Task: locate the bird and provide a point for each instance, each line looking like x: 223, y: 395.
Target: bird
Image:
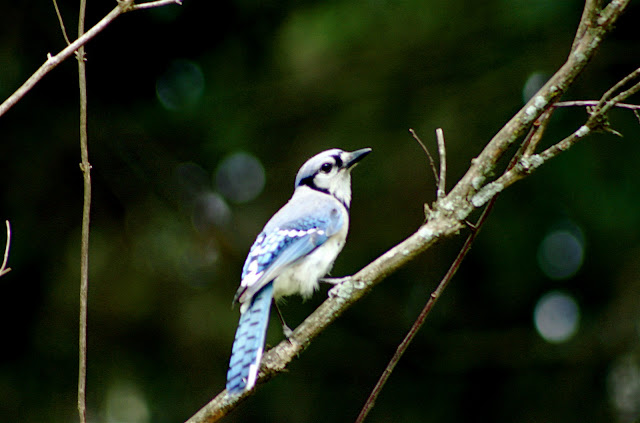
x: 296, y: 248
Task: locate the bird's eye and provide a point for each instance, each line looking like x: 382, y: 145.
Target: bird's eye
x: 326, y: 167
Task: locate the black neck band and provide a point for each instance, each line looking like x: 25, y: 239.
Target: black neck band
x: 308, y: 181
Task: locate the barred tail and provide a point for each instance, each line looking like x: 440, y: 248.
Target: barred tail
x: 249, y: 343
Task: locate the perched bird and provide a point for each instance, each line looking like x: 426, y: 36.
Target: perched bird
x: 296, y: 248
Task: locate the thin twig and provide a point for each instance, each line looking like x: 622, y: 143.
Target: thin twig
x: 442, y: 181
x: 596, y: 118
x: 605, y: 97
x: 435, y: 295
x: 529, y: 163
x: 4, y: 269
x: 426, y: 150
x: 623, y: 95
x: 64, y: 30
x: 53, y: 61
x: 158, y: 3
x: 593, y: 103
x: 86, y: 209
x: 415, y: 328
x: 587, y: 42
x: 535, y: 135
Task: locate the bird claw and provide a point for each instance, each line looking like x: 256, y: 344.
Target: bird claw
x: 337, y: 285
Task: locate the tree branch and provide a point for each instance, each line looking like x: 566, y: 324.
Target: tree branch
x: 442, y: 151
x: 86, y: 213
x: 426, y: 151
x: 4, y: 269
x: 593, y: 103
x: 62, y: 28
x: 53, y: 61
x: 528, y: 144
x: 597, y: 121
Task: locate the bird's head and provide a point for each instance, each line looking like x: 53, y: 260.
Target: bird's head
x: 330, y: 172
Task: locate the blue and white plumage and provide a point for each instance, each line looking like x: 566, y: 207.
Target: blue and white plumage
x: 295, y: 249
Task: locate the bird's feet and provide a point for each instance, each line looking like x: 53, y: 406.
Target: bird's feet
x: 337, y: 284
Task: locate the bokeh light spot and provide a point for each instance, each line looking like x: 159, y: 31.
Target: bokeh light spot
x: 181, y: 85
x: 556, y: 317
x: 240, y: 177
x: 210, y: 210
x: 191, y: 181
x: 561, y: 254
x: 124, y: 402
x: 623, y: 384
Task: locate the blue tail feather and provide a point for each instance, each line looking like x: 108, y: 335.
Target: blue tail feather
x: 249, y: 342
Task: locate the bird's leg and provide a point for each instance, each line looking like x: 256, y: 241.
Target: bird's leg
x: 286, y: 329
x: 334, y: 281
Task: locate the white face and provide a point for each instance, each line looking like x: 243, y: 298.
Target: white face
x: 330, y: 172
x: 332, y: 176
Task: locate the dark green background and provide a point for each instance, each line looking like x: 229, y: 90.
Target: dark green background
x: 283, y: 81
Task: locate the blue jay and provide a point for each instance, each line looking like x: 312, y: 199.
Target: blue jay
x: 296, y: 248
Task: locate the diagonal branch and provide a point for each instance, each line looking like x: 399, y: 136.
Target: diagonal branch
x: 53, y: 61
x: 597, y: 121
x: 529, y: 144
x: 64, y: 30
x: 588, y: 38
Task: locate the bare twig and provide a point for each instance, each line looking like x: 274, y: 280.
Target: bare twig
x: 532, y: 138
x: 442, y: 181
x: 597, y: 121
x: 588, y: 39
x: 158, y: 3
x: 53, y: 61
x: 607, y: 95
x: 433, y: 298
x: 535, y: 135
x: 426, y: 150
x: 4, y: 269
x: 597, y: 118
x: 594, y: 103
x: 86, y: 213
x: 622, y: 96
x: 64, y: 30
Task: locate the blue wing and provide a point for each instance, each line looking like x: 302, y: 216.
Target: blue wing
x: 292, y: 233
x: 271, y: 254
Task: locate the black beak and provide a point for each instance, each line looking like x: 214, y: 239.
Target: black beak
x: 353, y: 158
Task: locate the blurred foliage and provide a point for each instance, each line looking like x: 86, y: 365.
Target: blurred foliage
x: 176, y: 92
